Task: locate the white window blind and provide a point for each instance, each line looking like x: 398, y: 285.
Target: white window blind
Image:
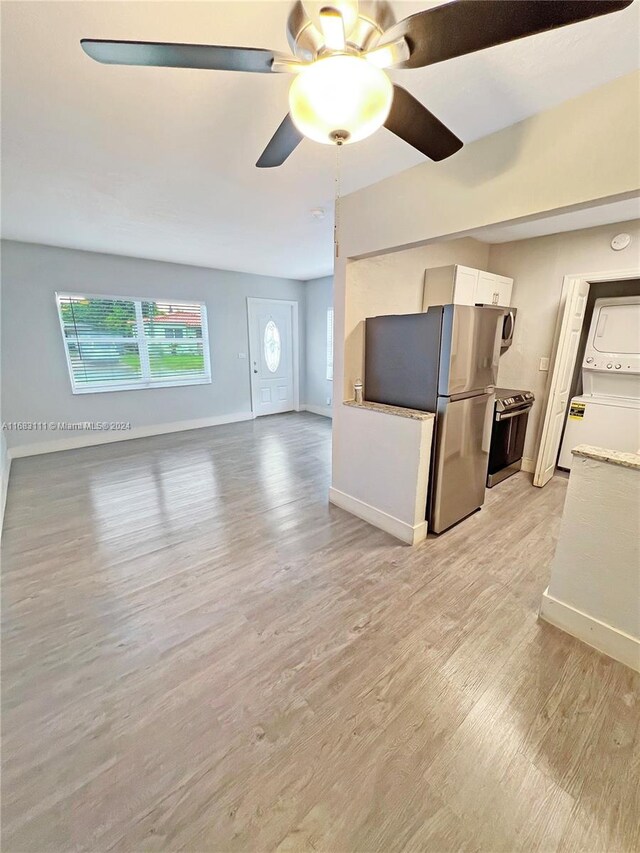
x: 330, y: 344
x: 116, y: 344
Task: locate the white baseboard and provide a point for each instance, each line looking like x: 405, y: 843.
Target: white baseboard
x: 528, y: 465
x: 93, y: 439
x: 411, y: 534
x: 605, y: 638
x: 325, y: 411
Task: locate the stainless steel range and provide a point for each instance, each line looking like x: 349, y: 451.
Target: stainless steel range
x: 510, y: 416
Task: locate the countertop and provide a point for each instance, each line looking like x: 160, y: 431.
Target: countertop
x: 613, y: 457
x: 398, y: 411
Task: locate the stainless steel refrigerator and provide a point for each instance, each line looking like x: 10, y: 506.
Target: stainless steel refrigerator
x: 443, y: 361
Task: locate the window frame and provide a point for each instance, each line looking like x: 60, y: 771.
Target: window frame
x: 141, y: 384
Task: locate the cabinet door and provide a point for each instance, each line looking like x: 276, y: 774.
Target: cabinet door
x: 493, y: 289
x: 438, y: 286
x: 505, y: 286
x: 465, y: 285
x: 487, y: 291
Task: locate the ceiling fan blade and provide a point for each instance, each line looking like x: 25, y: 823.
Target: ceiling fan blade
x: 166, y: 55
x: 413, y: 122
x: 286, y: 138
x: 465, y: 26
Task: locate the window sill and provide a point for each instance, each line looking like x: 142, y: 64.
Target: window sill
x: 140, y: 387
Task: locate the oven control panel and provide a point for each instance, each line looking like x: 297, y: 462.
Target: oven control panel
x: 515, y: 400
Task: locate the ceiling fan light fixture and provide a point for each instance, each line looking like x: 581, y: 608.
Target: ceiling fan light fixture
x: 332, y: 28
x: 340, y: 98
x: 340, y: 48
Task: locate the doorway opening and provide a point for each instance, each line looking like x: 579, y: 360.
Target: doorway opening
x: 579, y: 294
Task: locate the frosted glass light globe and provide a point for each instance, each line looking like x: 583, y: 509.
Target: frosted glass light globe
x: 340, y: 95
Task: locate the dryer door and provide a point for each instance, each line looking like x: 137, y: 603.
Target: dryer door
x: 617, y: 329
x: 611, y: 364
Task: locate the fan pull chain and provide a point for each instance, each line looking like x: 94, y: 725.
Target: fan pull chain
x: 336, y: 224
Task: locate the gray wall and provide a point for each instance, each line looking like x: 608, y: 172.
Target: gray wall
x: 319, y: 295
x: 36, y: 383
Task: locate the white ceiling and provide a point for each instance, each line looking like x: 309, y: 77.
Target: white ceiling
x: 159, y: 163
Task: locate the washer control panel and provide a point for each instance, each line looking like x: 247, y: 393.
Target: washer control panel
x: 591, y: 364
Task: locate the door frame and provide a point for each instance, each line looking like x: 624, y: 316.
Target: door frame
x: 560, y: 343
x: 295, y: 348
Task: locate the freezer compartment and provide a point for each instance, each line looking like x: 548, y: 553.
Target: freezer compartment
x: 402, y: 353
x: 459, y: 470
x: 450, y: 350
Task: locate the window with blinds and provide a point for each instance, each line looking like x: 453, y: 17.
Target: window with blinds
x: 116, y: 344
x: 330, y: 344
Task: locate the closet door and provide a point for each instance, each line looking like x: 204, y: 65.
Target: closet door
x: 560, y: 380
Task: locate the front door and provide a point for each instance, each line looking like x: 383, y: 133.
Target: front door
x: 271, y: 354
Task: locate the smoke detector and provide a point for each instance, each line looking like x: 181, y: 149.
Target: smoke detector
x: 620, y: 241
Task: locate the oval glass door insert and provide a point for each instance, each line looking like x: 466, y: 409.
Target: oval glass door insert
x: 272, y: 346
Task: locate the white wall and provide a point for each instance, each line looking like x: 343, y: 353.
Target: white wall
x: 383, y: 470
x: 319, y: 390
x: 538, y: 267
x: 582, y: 150
x: 594, y: 589
x: 35, y: 378
x: 393, y: 283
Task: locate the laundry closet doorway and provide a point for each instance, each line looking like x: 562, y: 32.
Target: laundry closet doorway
x: 579, y: 293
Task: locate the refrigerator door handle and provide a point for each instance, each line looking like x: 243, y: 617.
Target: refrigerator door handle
x: 481, y: 392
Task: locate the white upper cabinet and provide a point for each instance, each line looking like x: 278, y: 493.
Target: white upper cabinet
x: 493, y: 289
x: 465, y: 286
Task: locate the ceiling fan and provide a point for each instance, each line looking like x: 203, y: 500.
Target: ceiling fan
x: 341, y: 92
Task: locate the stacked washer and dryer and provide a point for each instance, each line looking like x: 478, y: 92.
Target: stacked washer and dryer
x: 607, y: 413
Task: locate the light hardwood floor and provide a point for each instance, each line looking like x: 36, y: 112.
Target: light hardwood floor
x: 199, y: 653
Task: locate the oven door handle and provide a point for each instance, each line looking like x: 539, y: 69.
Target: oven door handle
x: 505, y: 416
